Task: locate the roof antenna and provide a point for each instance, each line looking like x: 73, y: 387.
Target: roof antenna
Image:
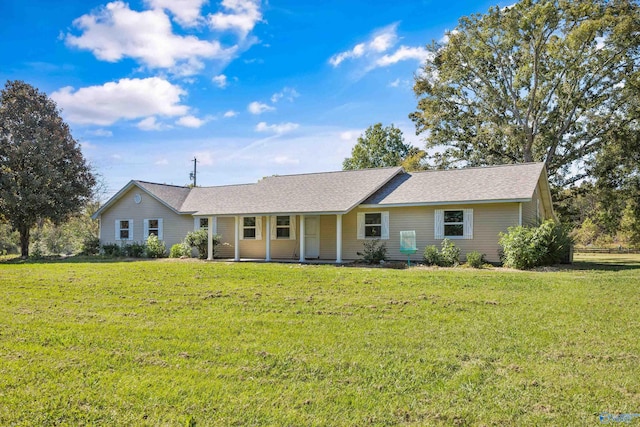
x: 192, y: 175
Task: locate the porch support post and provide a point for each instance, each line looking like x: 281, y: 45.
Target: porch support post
x: 210, y: 239
x: 301, y: 238
x: 339, y: 238
x: 268, y: 242
x: 520, y: 213
x: 236, y: 256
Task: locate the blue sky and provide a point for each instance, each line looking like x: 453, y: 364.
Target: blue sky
x: 251, y: 88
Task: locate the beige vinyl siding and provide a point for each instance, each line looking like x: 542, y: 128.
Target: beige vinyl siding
x: 529, y: 209
x: 488, y: 221
x: 328, y: 236
x: 174, y: 228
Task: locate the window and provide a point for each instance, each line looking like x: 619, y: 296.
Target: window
x: 453, y: 223
x: 373, y: 225
x: 203, y: 224
x: 124, y: 229
x: 153, y: 226
x: 249, y: 227
x: 283, y: 227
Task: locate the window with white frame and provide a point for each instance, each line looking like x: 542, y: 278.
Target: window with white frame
x: 453, y: 223
x: 249, y: 227
x: 153, y: 226
x: 203, y: 224
x: 124, y: 229
x: 373, y: 225
x: 283, y: 227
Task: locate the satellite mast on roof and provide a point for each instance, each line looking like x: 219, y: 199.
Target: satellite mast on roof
x: 193, y: 175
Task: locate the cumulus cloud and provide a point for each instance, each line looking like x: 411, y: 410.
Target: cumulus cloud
x: 229, y: 114
x: 402, y: 54
x: 101, y: 133
x: 124, y: 99
x: 116, y: 32
x: 220, y: 81
x: 239, y: 16
x: 276, y: 128
x: 380, y: 41
x: 258, y: 108
x: 190, y: 122
x: 185, y: 12
x: 148, y: 124
x: 287, y: 93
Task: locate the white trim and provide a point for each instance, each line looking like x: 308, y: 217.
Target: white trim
x: 385, y: 225
x: 257, y: 227
x: 339, y: 238
x: 145, y: 232
x: 467, y: 224
x: 268, y: 239
x: 236, y: 249
x: 275, y: 226
x: 302, y: 238
x: 461, y: 202
x: 362, y: 226
x: 520, y: 214
x: 438, y: 224
x: 209, y: 239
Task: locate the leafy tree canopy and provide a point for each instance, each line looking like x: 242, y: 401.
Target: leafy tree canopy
x: 539, y: 81
x: 43, y: 174
x: 378, y: 147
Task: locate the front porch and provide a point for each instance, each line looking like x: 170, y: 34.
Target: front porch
x: 309, y: 238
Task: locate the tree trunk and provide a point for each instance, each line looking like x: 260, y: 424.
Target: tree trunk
x: 24, y: 241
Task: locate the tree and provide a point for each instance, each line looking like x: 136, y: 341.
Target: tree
x: 379, y: 147
x: 43, y: 174
x: 539, y: 81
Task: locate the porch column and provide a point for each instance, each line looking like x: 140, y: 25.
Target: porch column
x: 210, y: 239
x: 339, y: 238
x: 236, y: 256
x: 268, y: 222
x: 301, y: 238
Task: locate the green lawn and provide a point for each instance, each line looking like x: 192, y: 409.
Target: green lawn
x: 161, y: 342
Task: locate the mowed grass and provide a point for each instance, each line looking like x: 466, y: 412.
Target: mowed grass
x: 164, y: 342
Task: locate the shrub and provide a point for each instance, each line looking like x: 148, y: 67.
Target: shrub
x: 179, y: 250
x: 475, y: 259
x: 199, y: 240
x: 133, y: 250
x: 449, y: 254
x: 528, y: 247
x: 90, y: 245
x: 431, y: 255
x: 155, y: 247
x: 112, y: 250
x: 373, y: 252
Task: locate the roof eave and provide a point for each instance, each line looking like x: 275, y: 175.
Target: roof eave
x: 441, y: 203
x: 121, y: 193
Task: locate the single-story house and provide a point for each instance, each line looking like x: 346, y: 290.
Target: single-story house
x: 328, y: 216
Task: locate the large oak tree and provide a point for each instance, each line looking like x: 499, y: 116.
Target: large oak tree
x: 539, y: 81
x: 378, y: 147
x: 43, y: 174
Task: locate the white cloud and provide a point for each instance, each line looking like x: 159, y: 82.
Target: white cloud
x: 287, y: 93
x: 124, y: 99
x: 220, y: 81
x: 190, y: 122
x: 402, y: 54
x: 258, y: 108
x: 115, y: 32
x: 350, y: 135
x: 380, y: 41
x: 230, y: 113
x: 186, y: 12
x: 149, y: 124
x: 161, y: 162
x: 241, y: 16
x: 276, y: 128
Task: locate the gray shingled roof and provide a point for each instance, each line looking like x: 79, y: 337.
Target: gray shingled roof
x: 306, y: 193
x: 497, y: 183
x: 172, y: 195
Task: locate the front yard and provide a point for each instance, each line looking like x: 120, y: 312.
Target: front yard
x: 165, y: 342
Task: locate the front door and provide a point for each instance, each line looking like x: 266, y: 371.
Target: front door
x: 312, y: 237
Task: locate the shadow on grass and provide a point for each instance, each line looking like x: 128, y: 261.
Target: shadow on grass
x: 68, y: 260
